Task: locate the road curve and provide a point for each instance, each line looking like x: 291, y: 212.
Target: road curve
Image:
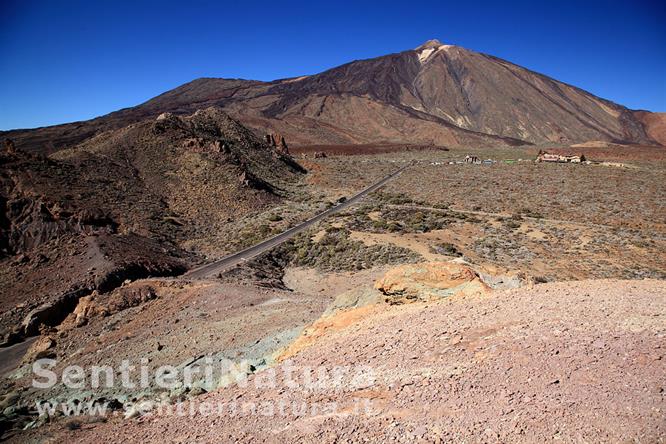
x: 232, y: 260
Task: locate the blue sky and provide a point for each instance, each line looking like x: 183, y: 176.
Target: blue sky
x: 63, y: 61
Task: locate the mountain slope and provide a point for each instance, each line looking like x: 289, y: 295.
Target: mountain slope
x: 440, y: 94
x: 126, y: 203
x: 453, y: 85
x: 654, y: 124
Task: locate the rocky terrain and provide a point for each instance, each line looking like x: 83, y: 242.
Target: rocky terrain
x: 549, y: 221
x: 505, y: 301
x: 439, y: 290
x: 573, y: 362
x: 435, y: 94
x: 654, y: 124
x: 123, y: 205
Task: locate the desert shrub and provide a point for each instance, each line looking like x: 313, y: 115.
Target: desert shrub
x: 394, y: 227
x: 531, y: 213
x: 399, y: 200
x: 446, y: 249
x: 393, y: 198
x: 540, y: 279
x: 73, y: 424
x: 254, y: 235
x: 380, y: 225
x: 337, y: 251
x: 405, y: 220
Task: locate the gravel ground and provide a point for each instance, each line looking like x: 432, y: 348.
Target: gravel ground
x: 576, y: 362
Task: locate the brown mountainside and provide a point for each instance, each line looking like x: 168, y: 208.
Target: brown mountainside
x: 123, y: 205
x: 165, y: 175
x: 654, y: 124
x: 439, y: 94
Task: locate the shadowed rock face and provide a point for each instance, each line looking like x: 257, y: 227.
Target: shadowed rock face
x: 437, y: 94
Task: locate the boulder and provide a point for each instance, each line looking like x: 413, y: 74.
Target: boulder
x: 430, y: 280
x: 165, y: 122
x: 164, y: 116
x: 45, y: 314
x: 121, y: 299
x: 131, y: 296
x: 85, y: 310
x: 44, y: 347
x: 13, y: 336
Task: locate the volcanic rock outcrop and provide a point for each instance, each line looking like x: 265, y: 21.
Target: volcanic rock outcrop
x: 10, y: 148
x: 430, y: 280
x: 277, y: 141
x: 404, y: 284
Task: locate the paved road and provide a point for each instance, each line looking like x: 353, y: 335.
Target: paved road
x: 10, y: 357
x: 230, y: 261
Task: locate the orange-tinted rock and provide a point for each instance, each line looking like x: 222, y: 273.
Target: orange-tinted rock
x: 277, y: 141
x: 42, y: 348
x: 430, y: 280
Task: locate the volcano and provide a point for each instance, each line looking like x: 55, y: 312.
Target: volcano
x: 436, y: 94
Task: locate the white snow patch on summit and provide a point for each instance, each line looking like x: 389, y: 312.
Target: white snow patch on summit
x: 423, y: 55
x: 427, y: 52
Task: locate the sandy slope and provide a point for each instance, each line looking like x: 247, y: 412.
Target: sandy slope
x: 576, y: 361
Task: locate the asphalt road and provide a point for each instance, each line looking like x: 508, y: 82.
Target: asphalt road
x: 10, y: 357
x: 232, y: 260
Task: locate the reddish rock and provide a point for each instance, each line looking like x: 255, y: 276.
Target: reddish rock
x: 277, y: 141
